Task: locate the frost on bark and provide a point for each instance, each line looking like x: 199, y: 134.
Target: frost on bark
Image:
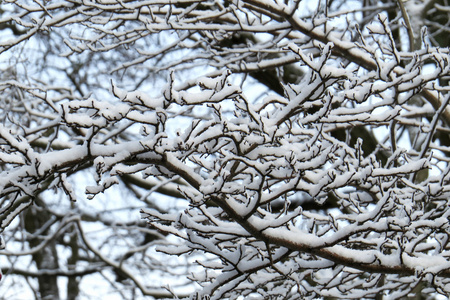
x: 274, y: 149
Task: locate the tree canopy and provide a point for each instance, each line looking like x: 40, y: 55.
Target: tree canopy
x: 225, y: 149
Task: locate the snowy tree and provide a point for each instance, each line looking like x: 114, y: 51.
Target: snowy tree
x: 225, y: 149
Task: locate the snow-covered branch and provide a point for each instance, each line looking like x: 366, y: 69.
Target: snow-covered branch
x: 310, y: 147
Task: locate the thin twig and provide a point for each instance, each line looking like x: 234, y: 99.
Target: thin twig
x: 408, y: 25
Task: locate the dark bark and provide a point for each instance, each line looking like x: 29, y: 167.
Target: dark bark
x: 36, y: 217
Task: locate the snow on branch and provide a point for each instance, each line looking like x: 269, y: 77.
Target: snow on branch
x: 313, y: 155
